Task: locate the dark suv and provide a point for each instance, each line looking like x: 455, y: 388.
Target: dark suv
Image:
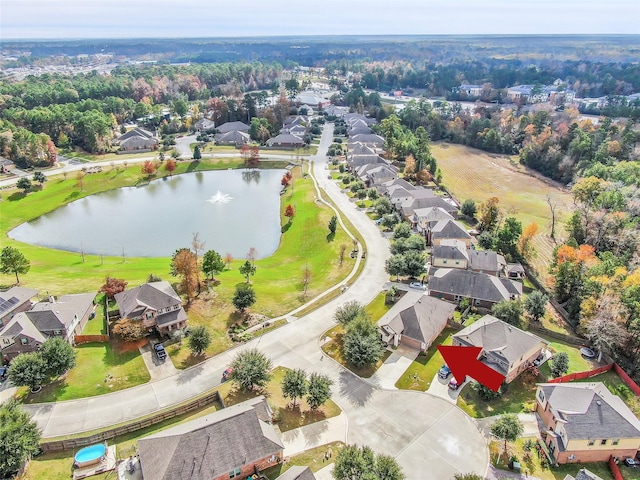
x: 161, y: 353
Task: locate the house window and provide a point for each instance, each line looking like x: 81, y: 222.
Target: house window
x: 149, y: 315
x: 444, y: 261
x: 56, y: 332
x: 615, y: 441
x: 23, y: 341
x: 176, y: 307
x: 603, y: 441
x: 541, y: 395
x: 235, y: 473
x: 591, y: 442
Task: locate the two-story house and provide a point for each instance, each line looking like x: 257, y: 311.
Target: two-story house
x: 505, y: 348
x: 585, y: 422
x: 155, y: 304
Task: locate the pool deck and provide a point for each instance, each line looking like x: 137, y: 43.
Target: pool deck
x: 109, y: 463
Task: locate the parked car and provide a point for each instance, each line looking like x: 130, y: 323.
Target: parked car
x: 226, y: 375
x: 630, y: 462
x: 453, y: 384
x: 419, y: 285
x: 444, y: 372
x: 538, y: 361
x: 4, y: 372
x: 160, y: 352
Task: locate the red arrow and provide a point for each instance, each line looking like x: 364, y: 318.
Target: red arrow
x: 464, y: 361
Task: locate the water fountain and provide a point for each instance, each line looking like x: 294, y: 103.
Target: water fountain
x: 220, y: 197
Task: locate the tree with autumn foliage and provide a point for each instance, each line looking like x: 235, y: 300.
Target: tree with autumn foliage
x: 289, y: 212
x: 525, y: 247
x: 148, y: 168
x: 489, y: 214
x: 170, y: 166
x: 570, y: 268
x: 112, y: 286
x: 254, y: 156
x: 185, y: 266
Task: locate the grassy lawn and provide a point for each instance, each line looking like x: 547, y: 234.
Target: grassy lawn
x: 278, y: 280
x: 100, y: 368
x: 377, y: 308
x: 422, y: 370
x: 333, y: 348
x: 213, y: 148
x: 287, y: 417
x: 520, y: 393
x: 471, y: 173
x: 98, y: 324
x: 533, y: 467
x: 313, y: 458
x: 58, y: 466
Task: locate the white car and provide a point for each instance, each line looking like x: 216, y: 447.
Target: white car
x: 419, y: 285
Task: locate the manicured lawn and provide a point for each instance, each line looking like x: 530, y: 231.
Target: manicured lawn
x: 98, y: 324
x: 422, y: 370
x: 377, y: 308
x: 100, y: 368
x: 287, y: 417
x: 333, y: 348
x: 520, y: 393
x: 57, y: 466
x: 313, y: 458
x: 533, y: 467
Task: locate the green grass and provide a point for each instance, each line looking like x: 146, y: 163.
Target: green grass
x: 333, y: 348
x: 313, y: 458
x: 100, y: 368
x: 426, y: 365
x: 286, y: 416
x: 534, y: 468
x: 98, y: 324
x: 57, y: 466
x: 378, y: 308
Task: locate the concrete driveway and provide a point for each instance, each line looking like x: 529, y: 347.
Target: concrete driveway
x: 393, y: 368
x: 440, y: 388
x: 157, y: 369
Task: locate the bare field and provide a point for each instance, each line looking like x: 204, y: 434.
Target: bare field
x: 472, y: 173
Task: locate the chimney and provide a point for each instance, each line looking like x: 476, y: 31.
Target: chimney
x: 599, y: 403
x: 52, y: 299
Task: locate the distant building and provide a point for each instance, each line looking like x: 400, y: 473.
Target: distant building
x: 138, y: 140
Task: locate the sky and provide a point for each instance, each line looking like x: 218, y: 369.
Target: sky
x: 50, y: 19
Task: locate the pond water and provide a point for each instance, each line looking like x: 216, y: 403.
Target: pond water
x: 233, y: 211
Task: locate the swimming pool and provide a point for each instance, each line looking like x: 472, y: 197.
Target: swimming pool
x: 90, y: 455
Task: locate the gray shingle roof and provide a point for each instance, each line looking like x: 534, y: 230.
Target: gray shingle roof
x: 370, y: 138
x: 14, y: 297
x: 469, y: 284
x: 234, y: 136
x: 360, y: 160
x: 503, y: 340
x: 418, y: 316
x: 230, y: 126
x: 409, y: 207
x: 169, y: 318
x: 285, y: 139
x: 361, y: 149
x: 155, y: 295
x: 486, y: 260
x: 446, y: 229
x: 54, y: 315
x: 138, y: 142
x: 209, y: 446
x: 21, y: 324
x: 297, y: 473
x: 136, y: 132
x: 449, y: 252
x: 591, y: 411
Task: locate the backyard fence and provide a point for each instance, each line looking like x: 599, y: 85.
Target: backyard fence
x: 80, y: 339
x: 571, y: 339
x: 615, y: 469
x: 633, y: 386
x: 79, y: 442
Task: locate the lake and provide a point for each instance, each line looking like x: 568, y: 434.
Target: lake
x: 233, y: 211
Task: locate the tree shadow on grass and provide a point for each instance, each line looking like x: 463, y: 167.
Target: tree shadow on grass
x: 15, y: 196
x: 49, y: 393
x: 73, y: 195
x: 286, y: 227
x: 331, y: 237
x: 193, y: 165
x: 189, y: 375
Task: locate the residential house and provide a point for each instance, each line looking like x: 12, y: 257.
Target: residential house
x: 297, y: 130
x: 312, y: 98
x: 408, y: 207
x: 583, y: 474
x: 356, y: 161
x: 368, y: 139
x: 447, y: 230
x: 415, y: 321
x: 232, y: 126
x: 487, y: 261
x: 585, y: 422
x: 425, y: 218
x: 505, y: 348
x: 297, y: 473
x: 63, y: 317
x: 295, y: 120
x: 358, y: 148
x: 399, y: 195
x: 450, y: 254
x: 375, y: 174
x: 13, y: 301
x: 234, y: 442
x: 236, y: 138
x: 156, y: 304
x: 204, y: 125
x: 285, y: 140
x: 138, y: 140
x: 482, y: 289
x: 351, y: 118
x: 335, y: 110
x: 471, y: 91
x: 515, y: 271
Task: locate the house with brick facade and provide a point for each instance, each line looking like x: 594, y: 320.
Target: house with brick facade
x: 505, y: 348
x: 156, y: 304
x: 585, y: 422
x: 234, y: 442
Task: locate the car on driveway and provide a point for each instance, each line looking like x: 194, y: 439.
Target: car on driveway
x: 444, y: 372
x: 160, y: 352
x: 538, y: 361
x: 226, y: 375
x: 418, y: 285
x: 453, y: 384
x: 630, y: 462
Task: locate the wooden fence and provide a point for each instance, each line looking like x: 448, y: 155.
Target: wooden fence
x: 571, y: 339
x: 79, y: 442
x: 613, y: 466
x: 633, y: 386
x: 80, y: 339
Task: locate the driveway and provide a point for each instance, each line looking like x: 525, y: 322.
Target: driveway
x: 393, y: 368
x: 157, y: 369
x: 440, y: 388
x: 310, y: 436
x: 423, y: 432
x: 529, y: 422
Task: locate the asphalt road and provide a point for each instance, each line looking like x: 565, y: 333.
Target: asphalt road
x: 430, y: 437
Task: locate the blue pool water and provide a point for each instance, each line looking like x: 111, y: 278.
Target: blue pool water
x: 91, y: 453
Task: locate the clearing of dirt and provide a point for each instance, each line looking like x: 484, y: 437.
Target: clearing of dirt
x: 471, y: 173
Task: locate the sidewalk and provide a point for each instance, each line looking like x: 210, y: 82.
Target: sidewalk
x: 319, y: 433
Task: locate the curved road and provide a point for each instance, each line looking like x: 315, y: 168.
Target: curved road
x: 430, y: 437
